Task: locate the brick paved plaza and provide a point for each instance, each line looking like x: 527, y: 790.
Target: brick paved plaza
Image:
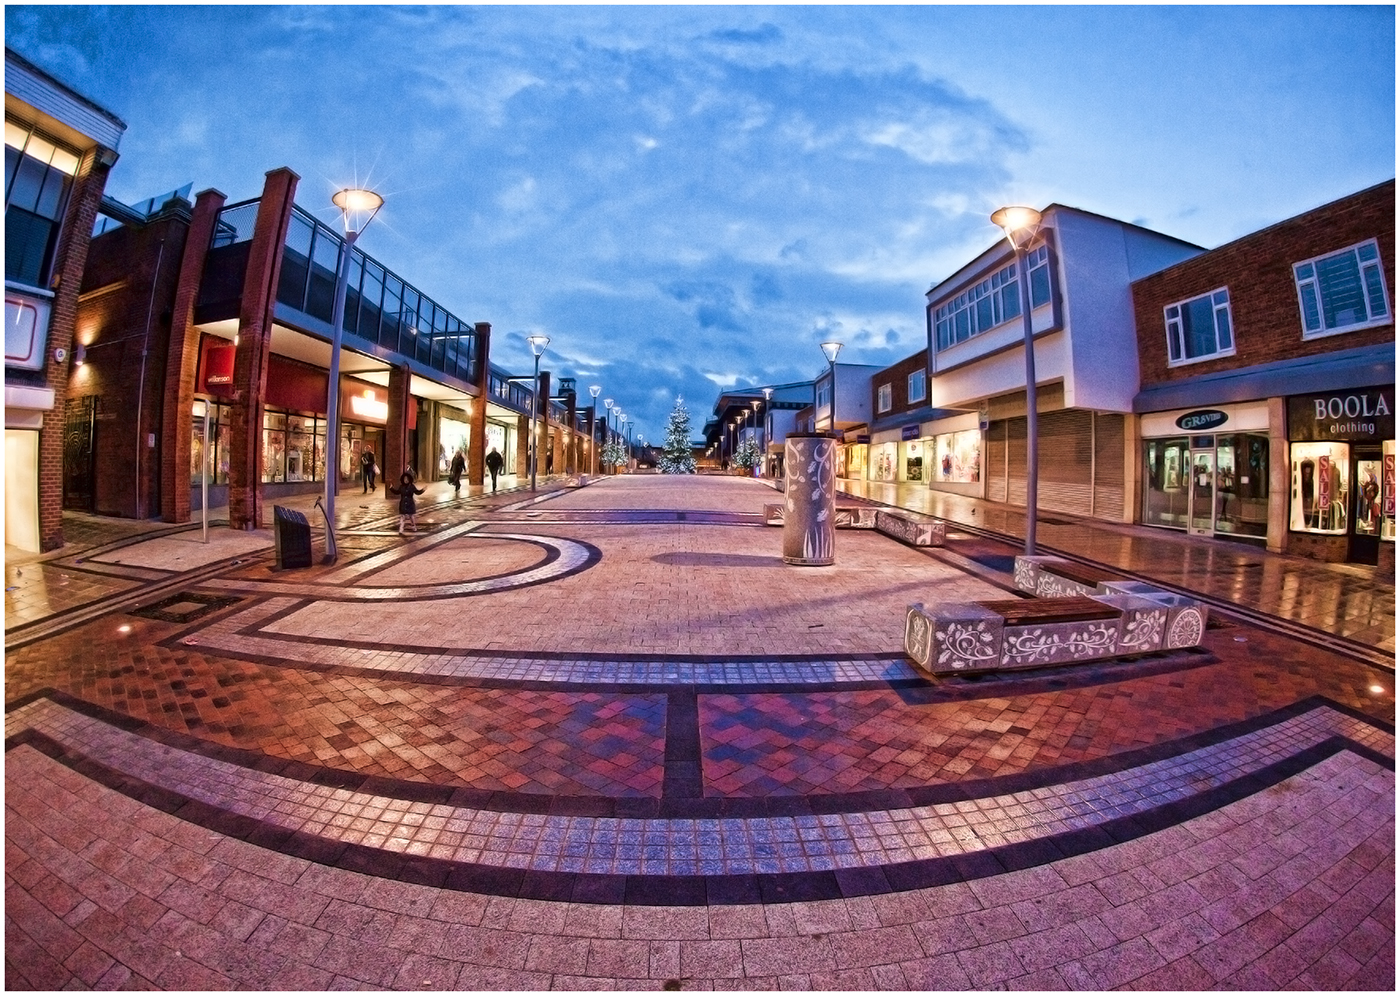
x: 605, y: 738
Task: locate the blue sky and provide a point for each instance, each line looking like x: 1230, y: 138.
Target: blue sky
x: 692, y: 198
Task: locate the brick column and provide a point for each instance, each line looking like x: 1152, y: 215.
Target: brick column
x: 182, y: 362
x: 397, y: 456
x: 542, y: 442
x: 522, y: 442
x: 245, y: 492
x: 588, y: 451
x: 71, y: 258
x: 476, y: 448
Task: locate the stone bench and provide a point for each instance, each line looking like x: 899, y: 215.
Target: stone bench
x: 847, y: 516
x: 907, y: 527
x: 1051, y: 577
x: 1016, y: 634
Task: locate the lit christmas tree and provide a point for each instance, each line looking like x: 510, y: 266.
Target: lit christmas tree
x: 676, y: 457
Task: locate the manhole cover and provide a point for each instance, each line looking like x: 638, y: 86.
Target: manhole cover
x: 185, y: 607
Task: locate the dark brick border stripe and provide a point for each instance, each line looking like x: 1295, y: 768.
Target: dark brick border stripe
x: 692, y: 890
x: 678, y: 803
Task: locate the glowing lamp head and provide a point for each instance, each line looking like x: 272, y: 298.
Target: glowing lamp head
x: 594, y: 390
x: 357, y: 207
x: 831, y: 349
x: 1014, y: 219
x: 537, y: 343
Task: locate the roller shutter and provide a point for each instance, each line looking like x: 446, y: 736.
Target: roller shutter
x: 1067, y: 461
x: 1108, y: 466
x: 995, y: 463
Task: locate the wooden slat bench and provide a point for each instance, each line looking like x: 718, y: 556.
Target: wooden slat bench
x: 907, y: 527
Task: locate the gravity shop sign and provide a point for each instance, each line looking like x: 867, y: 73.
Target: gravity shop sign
x: 1202, y: 420
x: 1357, y: 414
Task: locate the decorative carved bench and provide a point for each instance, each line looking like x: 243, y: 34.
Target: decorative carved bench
x: 1051, y: 577
x: 972, y: 637
x: 907, y: 527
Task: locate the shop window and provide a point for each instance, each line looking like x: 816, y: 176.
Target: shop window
x: 1242, y: 484
x: 918, y: 386
x: 38, y: 177
x: 1318, y: 499
x: 1342, y: 291
x: 1165, y: 474
x: 884, y: 398
x: 219, y: 434
x: 914, y: 460
x: 958, y: 457
x: 1199, y: 328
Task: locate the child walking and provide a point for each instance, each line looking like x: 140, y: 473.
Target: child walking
x: 408, y: 508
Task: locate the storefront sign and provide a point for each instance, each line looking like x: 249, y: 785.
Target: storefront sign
x: 1324, y: 481
x: 1388, y: 486
x: 862, y: 439
x: 365, y: 404
x: 1360, y: 415
x: 26, y: 331
x: 216, y: 368
x: 909, y: 432
x: 1202, y: 420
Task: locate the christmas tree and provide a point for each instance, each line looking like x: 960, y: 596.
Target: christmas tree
x: 676, y: 457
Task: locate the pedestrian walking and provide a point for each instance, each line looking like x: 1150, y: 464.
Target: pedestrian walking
x: 368, y: 468
x: 408, y: 507
x: 494, y: 462
x: 454, y: 473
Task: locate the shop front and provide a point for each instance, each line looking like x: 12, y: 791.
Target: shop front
x: 1206, y: 471
x: 851, y: 460
x: 911, y: 455
x: 454, y: 432
x: 954, y: 448
x: 883, y: 458
x: 1341, y: 452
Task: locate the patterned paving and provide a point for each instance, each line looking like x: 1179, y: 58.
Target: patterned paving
x: 610, y: 707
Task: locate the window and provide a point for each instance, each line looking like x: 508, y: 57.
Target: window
x: 991, y: 302
x: 38, y: 176
x: 823, y: 394
x: 916, y: 386
x: 884, y: 398
x: 1342, y: 291
x: 1199, y: 328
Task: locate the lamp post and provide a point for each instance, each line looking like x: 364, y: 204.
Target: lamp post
x: 607, y: 420
x: 628, y: 427
x: 537, y: 344
x: 355, y: 204
x: 767, y: 416
x: 831, y: 349
x: 593, y: 427
x: 1021, y: 225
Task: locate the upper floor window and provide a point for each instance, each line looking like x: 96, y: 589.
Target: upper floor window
x: 992, y: 301
x: 38, y: 176
x: 1342, y: 291
x: 824, y: 394
x: 884, y: 398
x: 917, y: 386
x: 1199, y: 328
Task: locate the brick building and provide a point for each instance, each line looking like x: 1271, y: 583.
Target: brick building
x: 1268, y: 386
x: 59, y: 148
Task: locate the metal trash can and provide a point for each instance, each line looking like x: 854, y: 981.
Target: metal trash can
x: 291, y: 538
x: 809, y: 520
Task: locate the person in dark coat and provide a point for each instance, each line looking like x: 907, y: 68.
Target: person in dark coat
x: 408, y: 507
x: 494, y: 463
x: 367, y: 469
x: 454, y: 473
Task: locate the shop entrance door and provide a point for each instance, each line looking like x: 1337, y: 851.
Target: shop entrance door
x: 1200, y: 517
x: 1364, y: 536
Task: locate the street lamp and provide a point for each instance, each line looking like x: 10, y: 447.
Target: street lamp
x: 831, y: 348
x: 593, y: 427
x: 537, y: 344
x: 1021, y: 225
x: 357, y: 209
x: 607, y: 421
x: 628, y: 427
x: 767, y: 417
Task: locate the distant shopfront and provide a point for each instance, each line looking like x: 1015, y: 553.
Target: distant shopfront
x: 1342, y: 475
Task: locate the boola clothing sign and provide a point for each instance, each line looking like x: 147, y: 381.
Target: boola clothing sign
x: 1364, y: 414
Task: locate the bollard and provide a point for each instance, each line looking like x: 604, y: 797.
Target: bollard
x: 809, y: 520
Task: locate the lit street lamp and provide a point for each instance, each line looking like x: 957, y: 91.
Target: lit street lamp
x: 1021, y: 225
x: 354, y: 204
x: 831, y: 349
x: 537, y: 344
x: 593, y: 426
x: 768, y: 414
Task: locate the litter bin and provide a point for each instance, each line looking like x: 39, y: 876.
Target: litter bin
x: 291, y: 538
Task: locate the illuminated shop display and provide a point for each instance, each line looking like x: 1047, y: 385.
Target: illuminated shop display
x: 958, y: 457
x: 882, y: 462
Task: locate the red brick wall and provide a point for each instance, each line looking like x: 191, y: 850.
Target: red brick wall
x: 70, y: 259
x: 1258, y: 270
x: 125, y: 309
x: 897, y: 376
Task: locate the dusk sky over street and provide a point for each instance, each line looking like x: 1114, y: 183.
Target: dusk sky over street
x: 691, y: 198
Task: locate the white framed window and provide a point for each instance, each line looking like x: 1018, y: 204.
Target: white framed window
x: 884, y: 398
x: 1200, y: 328
x: 1342, y: 291
x: 918, y: 387
x: 992, y: 301
x: 824, y: 394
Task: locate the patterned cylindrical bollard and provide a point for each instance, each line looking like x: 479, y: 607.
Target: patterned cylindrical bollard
x: 809, y: 520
